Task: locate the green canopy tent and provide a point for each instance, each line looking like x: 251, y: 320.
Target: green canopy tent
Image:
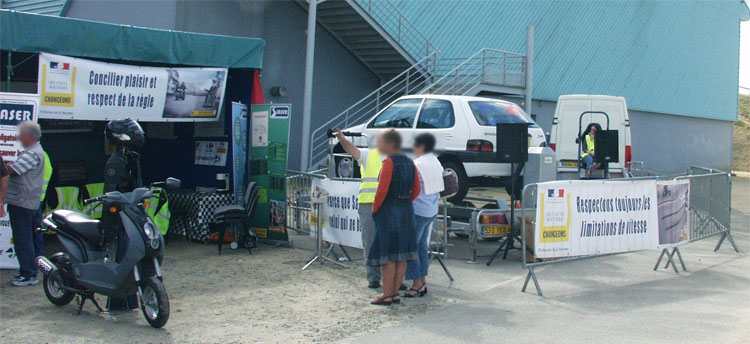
x: 34, y: 33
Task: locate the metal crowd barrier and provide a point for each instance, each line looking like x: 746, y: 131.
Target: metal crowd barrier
x: 299, y: 215
x: 298, y: 207
x: 709, y: 212
x: 710, y: 204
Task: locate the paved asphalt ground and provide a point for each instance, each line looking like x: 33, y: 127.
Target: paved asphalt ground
x: 615, y: 299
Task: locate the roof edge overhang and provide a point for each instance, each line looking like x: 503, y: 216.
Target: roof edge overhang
x: 35, y: 33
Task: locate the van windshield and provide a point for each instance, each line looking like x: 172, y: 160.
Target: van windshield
x: 489, y: 113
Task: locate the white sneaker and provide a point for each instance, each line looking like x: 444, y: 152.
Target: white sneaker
x: 24, y: 281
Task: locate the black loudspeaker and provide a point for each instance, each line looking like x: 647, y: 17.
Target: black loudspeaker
x: 512, y: 143
x: 606, y: 146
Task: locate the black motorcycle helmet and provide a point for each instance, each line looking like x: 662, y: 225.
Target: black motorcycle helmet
x: 125, y: 132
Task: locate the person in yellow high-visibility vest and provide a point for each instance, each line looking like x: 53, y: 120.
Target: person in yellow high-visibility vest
x: 587, y: 148
x: 370, y: 161
x: 37, y: 220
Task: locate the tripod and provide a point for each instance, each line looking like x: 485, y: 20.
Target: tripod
x: 511, y: 239
x: 317, y: 201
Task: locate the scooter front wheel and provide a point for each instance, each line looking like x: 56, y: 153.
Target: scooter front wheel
x: 154, y: 302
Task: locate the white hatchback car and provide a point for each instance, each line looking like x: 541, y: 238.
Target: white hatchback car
x: 465, y: 130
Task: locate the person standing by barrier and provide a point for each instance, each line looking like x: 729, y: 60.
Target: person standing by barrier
x: 393, y: 213
x: 370, y: 162
x: 24, y: 192
x: 425, y: 210
x: 587, y: 148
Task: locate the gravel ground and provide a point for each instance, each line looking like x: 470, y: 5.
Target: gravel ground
x: 233, y: 298
x: 236, y: 298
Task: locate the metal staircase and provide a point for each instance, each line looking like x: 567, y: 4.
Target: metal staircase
x: 407, y: 63
x: 487, y: 71
x: 377, y: 33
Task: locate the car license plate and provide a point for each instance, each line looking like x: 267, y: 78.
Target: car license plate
x: 496, y: 230
x: 568, y: 163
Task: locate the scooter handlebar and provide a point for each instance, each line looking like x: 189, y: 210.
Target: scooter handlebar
x: 92, y: 200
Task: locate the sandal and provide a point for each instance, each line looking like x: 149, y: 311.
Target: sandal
x: 411, y: 292
x: 396, y: 299
x: 383, y: 301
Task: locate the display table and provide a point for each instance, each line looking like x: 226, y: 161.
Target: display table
x: 192, y: 211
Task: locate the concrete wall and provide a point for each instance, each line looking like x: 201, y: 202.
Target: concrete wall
x: 340, y: 79
x: 155, y: 14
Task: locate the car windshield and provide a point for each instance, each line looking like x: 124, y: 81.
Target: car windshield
x: 489, y: 113
x: 400, y: 114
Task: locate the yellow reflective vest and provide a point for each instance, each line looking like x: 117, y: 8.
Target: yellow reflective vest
x: 94, y: 210
x: 370, y: 176
x: 589, y: 146
x: 161, y: 219
x: 47, y: 174
x: 67, y: 198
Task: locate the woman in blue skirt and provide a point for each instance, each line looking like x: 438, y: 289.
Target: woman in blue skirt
x: 395, y: 236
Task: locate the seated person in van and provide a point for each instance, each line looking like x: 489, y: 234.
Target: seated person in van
x: 587, y: 147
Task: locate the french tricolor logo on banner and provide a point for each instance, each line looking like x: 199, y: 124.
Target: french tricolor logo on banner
x: 555, y: 193
x: 57, y: 65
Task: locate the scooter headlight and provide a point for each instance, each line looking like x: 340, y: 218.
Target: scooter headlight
x: 149, y: 230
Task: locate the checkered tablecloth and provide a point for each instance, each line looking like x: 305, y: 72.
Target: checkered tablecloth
x: 192, y: 211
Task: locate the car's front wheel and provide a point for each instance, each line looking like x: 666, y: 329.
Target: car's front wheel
x: 463, y: 180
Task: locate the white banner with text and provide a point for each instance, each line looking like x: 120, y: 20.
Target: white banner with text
x: 340, y: 220
x: 585, y: 218
x: 14, y: 109
x: 75, y: 88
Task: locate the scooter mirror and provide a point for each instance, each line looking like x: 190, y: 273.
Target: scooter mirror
x: 173, y: 183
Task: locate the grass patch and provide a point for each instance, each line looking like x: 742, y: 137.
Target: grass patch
x: 741, y: 144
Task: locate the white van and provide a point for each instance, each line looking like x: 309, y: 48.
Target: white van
x: 565, y: 128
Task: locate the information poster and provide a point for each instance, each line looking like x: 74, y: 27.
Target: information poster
x: 269, y: 130
x: 211, y: 153
x: 75, y: 88
x: 340, y: 221
x: 7, y: 251
x: 260, y: 128
x: 673, y: 197
x: 239, y: 147
x: 14, y: 109
x: 582, y: 218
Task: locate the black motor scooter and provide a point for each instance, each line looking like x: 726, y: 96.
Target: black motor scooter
x: 85, y: 267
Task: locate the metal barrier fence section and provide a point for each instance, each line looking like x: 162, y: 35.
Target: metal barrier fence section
x: 710, y: 196
x: 298, y: 193
x: 709, y: 214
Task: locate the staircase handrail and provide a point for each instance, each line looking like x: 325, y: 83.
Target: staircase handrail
x: 404, y: 26
x: 424, y: 66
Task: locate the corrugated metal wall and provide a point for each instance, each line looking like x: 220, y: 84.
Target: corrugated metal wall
x: 51, y: 7
x: 675, y: 57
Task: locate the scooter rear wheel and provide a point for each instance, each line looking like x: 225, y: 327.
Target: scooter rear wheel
x: 54, y: 291
x: 154, y: 302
